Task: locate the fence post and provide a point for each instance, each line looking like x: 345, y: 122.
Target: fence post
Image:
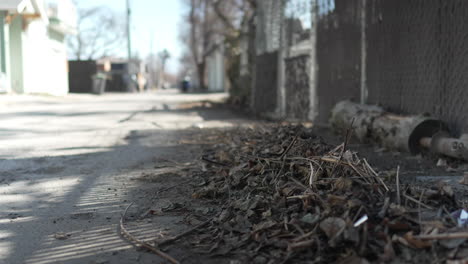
x: 313, y: 74
x: 281, y: 97
x: 364, y: 91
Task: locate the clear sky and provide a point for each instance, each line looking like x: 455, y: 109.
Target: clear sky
x: 157, y: 18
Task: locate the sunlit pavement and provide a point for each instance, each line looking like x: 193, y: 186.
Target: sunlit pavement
x: 66, y: 167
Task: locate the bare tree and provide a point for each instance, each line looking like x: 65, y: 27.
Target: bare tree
x: 200, y: 36
x: 237, y: 17
x: 100, y: 33
x: 234, y: 14
x: 153, y: 64
x: 208, y: 21
x: 164, y: 56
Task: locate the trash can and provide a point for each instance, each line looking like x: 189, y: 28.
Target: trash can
x: 99, y: 83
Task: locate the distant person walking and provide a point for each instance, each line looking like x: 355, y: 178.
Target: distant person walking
x: 186, y: 85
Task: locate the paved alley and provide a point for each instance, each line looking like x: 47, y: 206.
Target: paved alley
x: 66, y: 166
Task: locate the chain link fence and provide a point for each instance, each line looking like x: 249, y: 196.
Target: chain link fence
x: 417, y: 57
x: 267, y: 45
x: 297, y: 48
x: 338, y: 54
x: 408, y: 56
x: 283, y: 63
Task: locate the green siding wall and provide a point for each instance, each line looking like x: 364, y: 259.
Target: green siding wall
x: 2, y: 43
x: 16, y: 54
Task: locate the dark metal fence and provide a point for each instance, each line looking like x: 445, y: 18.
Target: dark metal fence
x: 297, y: 83
x: 338, y: 54
x: 266, y: 92
x: 80, y: 76
x: 409, y: 56
x: 418, y: 57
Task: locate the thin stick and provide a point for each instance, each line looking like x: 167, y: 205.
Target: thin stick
x: 306, y: 235
x: 136, y: 241
x: 217, y: 163
x: 348, y: 136
x: 311, y: 177
x: 398, y: 185
x: 419, y: 208
x: 358, y: 172
x: 418, y: 202
x: 288, y: 148
x: 173, y: 186
x: 170, y: 240
x: 296, y: 181
x: 362, y: 248
x: 443, y: 236
x: 370, y: 168
x: 302, y: 244
x: 384, y: 209
x: 376, y: 175
x: 345, y: 144
x: 449, y: 215
x: 299, y: 196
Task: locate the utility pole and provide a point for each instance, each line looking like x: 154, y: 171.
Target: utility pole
x: 151, y: 42
x: 129, y: 38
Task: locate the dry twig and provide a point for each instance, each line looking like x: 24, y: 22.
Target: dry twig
x: 458, y: 235
x: 179, y: 236
x: 398, y: 185
x: 143, y: 244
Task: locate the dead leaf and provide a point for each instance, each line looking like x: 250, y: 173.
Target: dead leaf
x: 452, y: 243
x: 441, y: 163
x: 223, y: 156
x: 332, y: 225
x: 266, y: 214
x: 416, y: 243
x: 264, y: 225
x: 397, y: 210
x: 353, y: 260
x: 445, y: 189
x: 464, y: 179
x: 457, y: 261
x: 268, y: 202
x: 289, y: 190
x: 343, y: 184
x: 389, y: 253
x: 310, y: 218
x: 397, y: 225
x: 335, y: 200
x: 236, y: 169
x: 61, y: 236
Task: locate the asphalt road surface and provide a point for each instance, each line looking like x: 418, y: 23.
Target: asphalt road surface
x: 66, y: 168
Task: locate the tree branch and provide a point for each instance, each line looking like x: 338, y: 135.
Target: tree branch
x: 226, y: 21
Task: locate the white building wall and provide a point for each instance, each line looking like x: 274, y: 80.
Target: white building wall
x: 216, y: 71
x: 5, y: 83
x: 45, y: 61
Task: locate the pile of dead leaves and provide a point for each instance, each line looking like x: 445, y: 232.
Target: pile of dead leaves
x: 289, y: 197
